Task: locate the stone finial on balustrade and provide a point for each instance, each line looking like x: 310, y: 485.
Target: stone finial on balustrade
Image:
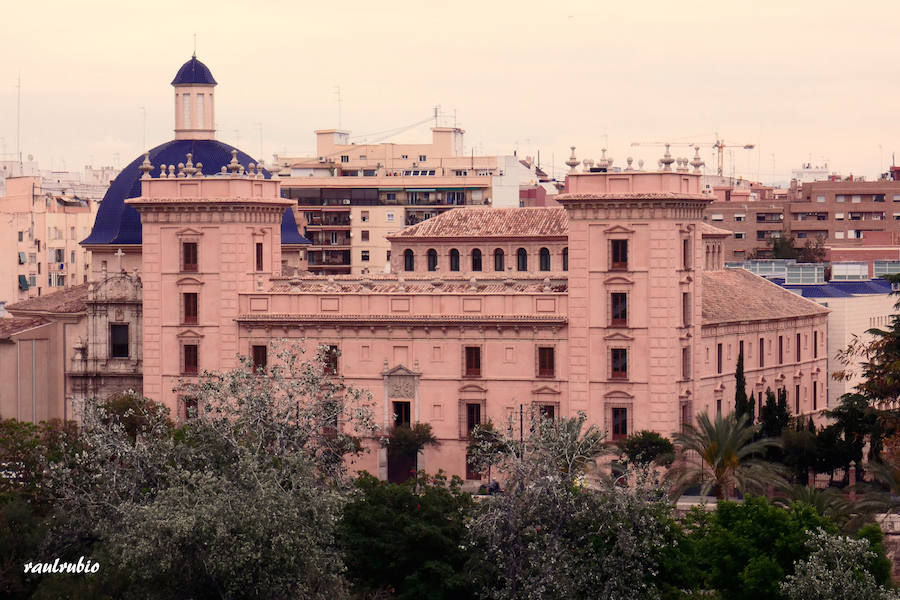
x: 572, y: 162
x: 171, y: 174
x: 697, y: 162
x: 666, y: 161
x: 146, y: 167
x: 189, y: 169
x: 233, y: 165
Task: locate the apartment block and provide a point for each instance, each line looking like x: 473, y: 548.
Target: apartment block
x: 350, y: 196
x: 39, y: 249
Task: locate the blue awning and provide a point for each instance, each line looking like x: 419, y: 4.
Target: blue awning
x: 23, y: 282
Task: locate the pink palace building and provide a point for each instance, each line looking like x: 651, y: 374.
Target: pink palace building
x: 617, y: 304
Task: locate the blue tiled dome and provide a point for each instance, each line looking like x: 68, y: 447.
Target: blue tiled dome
x: 118, y: 223
x: 193, y: 71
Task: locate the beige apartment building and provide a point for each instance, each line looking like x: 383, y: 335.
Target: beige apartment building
x: 350, y: 196
x: 39, y: 235
x: 842, y: 212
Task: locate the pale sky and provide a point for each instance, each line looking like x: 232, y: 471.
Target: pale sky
x: 802, y: 80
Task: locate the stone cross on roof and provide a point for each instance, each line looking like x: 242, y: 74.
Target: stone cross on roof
x: 119, y: 255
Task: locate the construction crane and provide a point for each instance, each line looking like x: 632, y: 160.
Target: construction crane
x: 719, y: 145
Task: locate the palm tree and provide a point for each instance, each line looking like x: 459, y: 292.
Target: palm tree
x: 728, y: 457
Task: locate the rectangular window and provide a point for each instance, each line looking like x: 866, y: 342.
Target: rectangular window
x: 259, y: 256
x: 780, y: 350
x: 364, y: 256
x: 815, y: 392
x: 798, y: 348
x: 546, y: 362
x: 686, y: 254
x: 718, y: 406
x: 118, y: 341
x: 762, y: 352
x: 619, y: 359
x: 473, y: 361
x: 191, y: 359
x: 718, y: 358
x: 619, y: 423
x: 473, y: 416
x: 547, y: 411
x: 21, y: 234
x: 190, y: 308
x: 739, y: 235
x: 389, y: 217
x: 815, y: 344
x: 364, y: 216
x: 331, y: 360
x: 619, y: 252
x: 364, y: 235
x: 260, y: 355
x: 685, y: 309
x: 402, y: 413
x: 189, y: 256
x: 797, y: 399
x: 840, y: 198
x: 619, y: 315
x: 422, y: 158
x: 759, y: 406
x: 345, y: 158
x: 685, y: 363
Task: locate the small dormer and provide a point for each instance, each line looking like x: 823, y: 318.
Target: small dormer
x: 194, y: 102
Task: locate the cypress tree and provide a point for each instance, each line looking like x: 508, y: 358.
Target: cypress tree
x: 742, y: 406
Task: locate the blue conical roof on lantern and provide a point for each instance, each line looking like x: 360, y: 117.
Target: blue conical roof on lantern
x: 193, y: 72
x: 118, y: 223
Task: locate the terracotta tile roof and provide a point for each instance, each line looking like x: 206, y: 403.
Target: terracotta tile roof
x: 71, y: 300
x: 12, y: 325
x: 734, y: 295
x: 475, y: 222
x: 391, y: 284
x: 707, y: 230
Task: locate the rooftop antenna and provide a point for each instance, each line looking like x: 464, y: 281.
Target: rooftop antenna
x: 436, y: 109
x: 195, y: 46
x: 144, y: 129
x: 337, y: 90
x: 19, y: 118
x: 259, y: 125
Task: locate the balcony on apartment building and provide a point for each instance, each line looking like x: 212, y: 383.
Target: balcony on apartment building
x: 331, y: 239
x: 322, y: 260
x: 769, y: 217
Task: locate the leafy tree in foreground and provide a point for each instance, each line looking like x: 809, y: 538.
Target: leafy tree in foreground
x: 728, y: 457
x: 407, y: 542
x: 744, y: 550
x: 835, y: 568
x: 548, y: 537
x: 241, y: 502
x: 647, y: 447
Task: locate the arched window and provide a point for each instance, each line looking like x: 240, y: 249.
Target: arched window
x: 454, y: 260
x: 566, y: 259
x: 544, y: 259
x: 521, y: 259
x: 409, y: 260
x: 476, y: 259
x: 432, y: 260
x: 498, y: 260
